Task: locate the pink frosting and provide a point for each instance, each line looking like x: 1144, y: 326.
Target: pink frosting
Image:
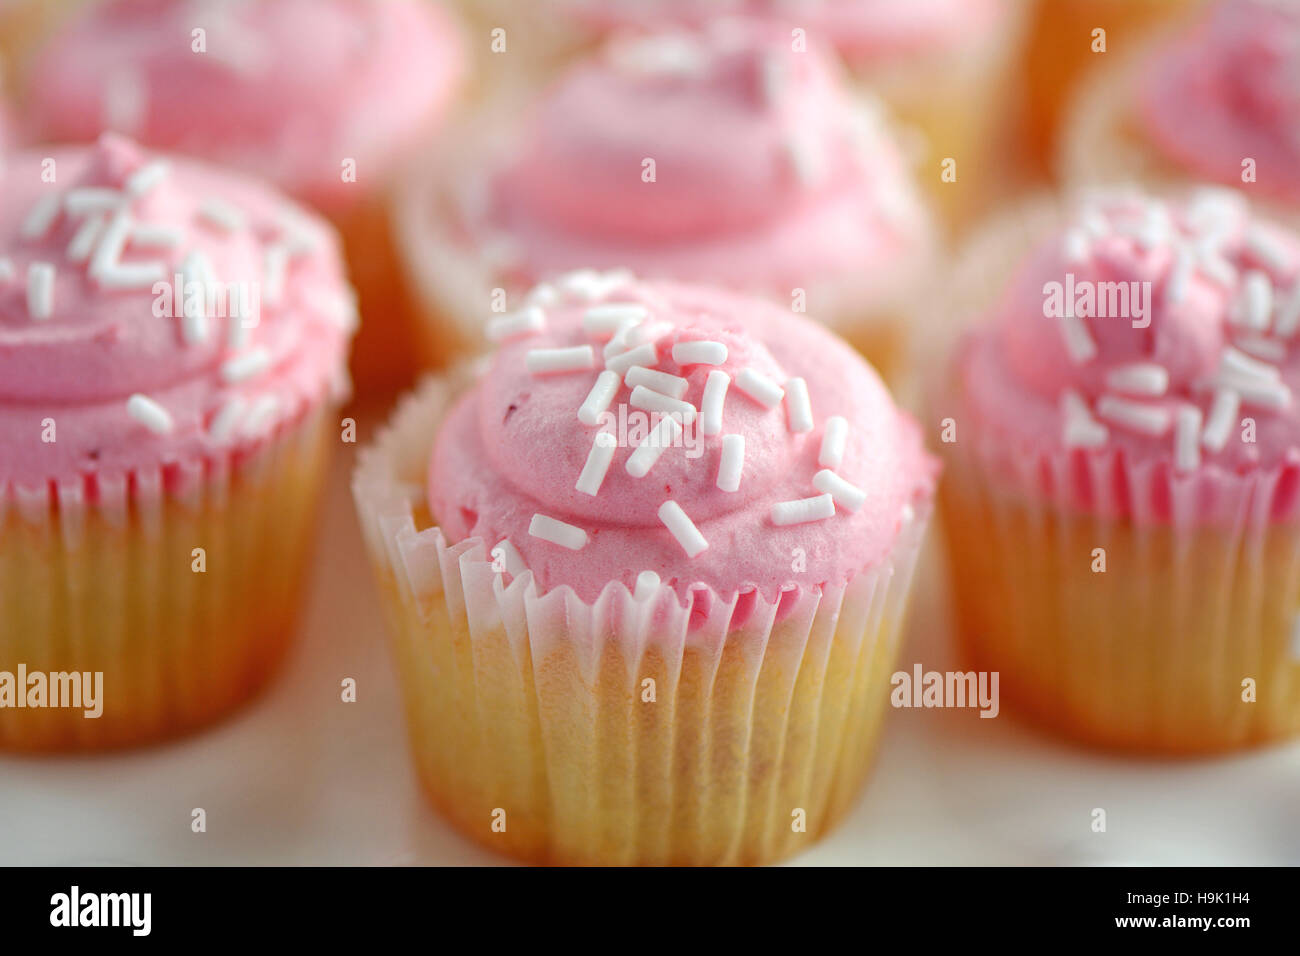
x: 1227, y: 89
x: 866, y: 28
x: 285, y: 90
x: 767, y: 175
x: 513, y: 447
x: 101, y: 338
x: 1206, y: 260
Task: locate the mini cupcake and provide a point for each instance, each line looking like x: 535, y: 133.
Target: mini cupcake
x: 325, y: 98
x: 172, y: 340
x: 1215, y: 101
x: 646, y: 567
x: 726, y: 159
x: 1123, y: 455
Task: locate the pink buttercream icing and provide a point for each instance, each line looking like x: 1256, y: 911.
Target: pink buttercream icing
x: 767, y: 175
x: 286, y: 90
x: 514, y: 447
x: 1227, y: 89
x: 76, y: 353
x: 1218, y: 325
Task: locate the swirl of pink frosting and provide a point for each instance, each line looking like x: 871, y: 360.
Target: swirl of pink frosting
x: 720, y: 156
x: 284, y: 90
x: 1145, y: 334
x: 514, y: 447
x: 1227, y: 89
x: 103, y: 250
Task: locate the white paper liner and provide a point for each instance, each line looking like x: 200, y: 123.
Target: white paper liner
x: 677, y: 783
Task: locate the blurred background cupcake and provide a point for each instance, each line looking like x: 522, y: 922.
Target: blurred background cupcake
x: 653, y: 640
x: 173, y: 341
x: 1217, y: 101
x: 1122, y: 447
x: 721, y: 156
x: 325, y: 98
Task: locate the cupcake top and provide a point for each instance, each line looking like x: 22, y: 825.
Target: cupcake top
x: 155, y: 312
x: 722, y: 156
x: 712, y: 439
x: 287, y: 90
x: 1227, y: 89
x: 857, y: 28
x: 1157, y: 335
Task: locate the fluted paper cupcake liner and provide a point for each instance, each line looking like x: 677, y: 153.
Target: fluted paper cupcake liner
x: 629, y: 730
x: 101, y: 574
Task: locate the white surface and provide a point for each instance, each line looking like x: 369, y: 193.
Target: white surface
x: 302, y: 778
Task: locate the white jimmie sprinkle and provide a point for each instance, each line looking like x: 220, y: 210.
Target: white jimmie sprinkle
x: 1078, y: 340
x: 732, y: 463
x: 1255, y: 307
x: 222, y: 215
x: 41, y: 217
x: 1180, y: 275
x: 641, y: 355
x: 667, y: 432
x: 715, y: 396
x: 144, y: 179
x: 599, y: 459
x: 1267, y: 250
x: 652, y: 401
x: 598, y: 399
x: 1140, y: 378
x: 275, y: 269
x: 557, y: 532
x: 679, y: 523
x: 1187, y: 438
x: 699, y: 353
x: 249, y: 365
x: 149, y: 414
x: 92, y: 199
x: 1081, y: 430
x: 552, y: 361
x: 1147, y: 419
x: 40, y: 290
x: 601, y: 320
x: 803, y: 510
x: 510, y: 557
x: 83, y: 240
x: 261, y: 416
x: 527, y: 321
x: 228, y: 416
x: 798, y: 406
x: 674, y: 386
x: 759, y: 387
x: 845, y: 494
x: 834, y: 441
x: 1257, y: 346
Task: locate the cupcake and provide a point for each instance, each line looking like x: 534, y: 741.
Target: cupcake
x: 1123, y: 453
x: 705, y: 157
x: 325, y: 98
x: 172, y: 342
x: 646, y: 566
x: 1214, y: 101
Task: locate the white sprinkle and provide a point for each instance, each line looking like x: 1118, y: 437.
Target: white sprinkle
x: 1078, y: 340
x: 759, y: 387
x: 647, y: 584
x: 846, y: 495
x: 552, y: 361
x: 1147, y: 419
x: 1255, y: 305
x: 1223, y: 415
x: 598, y: 399
x: 1187, y: 433
x: 610, y: 318
x: 803, y: 510
x: 509, y: 556
x: 275, y: 268
x: 261, y: 416
x: 643, y: 333
x: 144, y: 179
x: 557, y: 532
x: 543, y: 294
x: 1218, y: 269
x: 153, y: 235
x: 798, y: 406
x: 219, y: 213
x: 834, y: 441
x: 1288, y: 314
x: 241, y: 368
x: 641, y: 355
x: 1076, y: 246
x: 1267, y: 250
x: 133, y: 275
x: 1080, y: 430
x: 1236, y: 362
x: 194, y: 319
x: 1257, y: 390
x: 699, y: 353
x: 1140, y: 378
x: 41, y: 217
x: 6, y: 270
x: 682, y: 528
x: 599, y: 459
x: 643, y: 457
x: 223, y: 423
x: 40, y: 290
x: 1269, y: 350
x: 652, y: 401
x: 1179, y: 277
x: 674, y: 386
x: 618, y: 342
x: 715, y: 396
x: 111, y: 243
x: 84, y: 239
x: 92, y: 199
x: 149, y: 414
x: 527, y: 321
x: 732, y: 462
